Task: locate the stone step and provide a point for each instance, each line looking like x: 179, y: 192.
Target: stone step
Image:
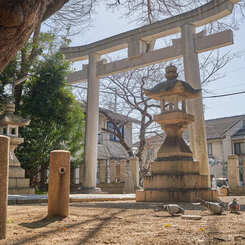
x: 19, y: 191
x: 18, y: 182
x: 17, y: 172
x: 164, y: 181
x: 179, y: 195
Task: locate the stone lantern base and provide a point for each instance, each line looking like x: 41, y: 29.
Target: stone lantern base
x: 18, y: 184
x: 175, y: 181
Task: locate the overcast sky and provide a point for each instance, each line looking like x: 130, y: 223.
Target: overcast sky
x: 106, y: 24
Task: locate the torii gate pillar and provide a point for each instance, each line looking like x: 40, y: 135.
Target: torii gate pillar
x: 197, y: 131
x: 92, y: 124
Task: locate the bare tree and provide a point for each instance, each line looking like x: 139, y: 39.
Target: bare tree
x: 129, y: 87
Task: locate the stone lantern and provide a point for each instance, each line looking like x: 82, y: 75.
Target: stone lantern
x: 174, y: 175
x: 9, y: 126
x: 173, y: 119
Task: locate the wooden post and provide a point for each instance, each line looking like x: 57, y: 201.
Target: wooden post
x: 4, y: 166
x: 59, y: 183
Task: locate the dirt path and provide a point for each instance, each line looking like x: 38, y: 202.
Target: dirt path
x: 122, y: 223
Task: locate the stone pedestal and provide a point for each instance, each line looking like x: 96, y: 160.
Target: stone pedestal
x: 178, y: 180
x: 18, y: 184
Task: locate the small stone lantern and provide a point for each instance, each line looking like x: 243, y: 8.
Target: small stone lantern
x: 9, y: 126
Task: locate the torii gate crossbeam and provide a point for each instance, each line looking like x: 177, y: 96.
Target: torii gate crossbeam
x: 138, y: 42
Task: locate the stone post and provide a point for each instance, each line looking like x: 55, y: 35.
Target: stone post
x: 233, y: 172
x: 123, y: 171
x: 134, y: 166
x: 92, y: 124
x: 197, y: 130
x: 102, y: 171
x: 59, y: 183
x: 81, y: 174
x: 243, y: 164
x: 4, y: 168
x: 112, y: 171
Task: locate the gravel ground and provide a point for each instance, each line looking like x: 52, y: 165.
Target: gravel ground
x: 121, y: 222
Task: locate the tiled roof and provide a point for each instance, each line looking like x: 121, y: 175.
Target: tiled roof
x: 111, y: 150
x: 118, y: 117
x: 216, y: 128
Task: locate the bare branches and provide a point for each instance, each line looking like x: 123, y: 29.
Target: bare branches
x: 152, y: 10
x: 75, y: 15
x: 129, y: 88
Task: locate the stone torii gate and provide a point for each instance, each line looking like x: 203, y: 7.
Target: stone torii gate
x: 140, y: 45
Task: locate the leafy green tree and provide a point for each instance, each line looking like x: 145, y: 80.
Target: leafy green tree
x: 57, y: 120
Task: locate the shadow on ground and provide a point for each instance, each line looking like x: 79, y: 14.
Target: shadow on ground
x: 45, y: 221
x: 41, y: 223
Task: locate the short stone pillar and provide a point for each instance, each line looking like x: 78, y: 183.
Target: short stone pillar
x: 134, y: 166
x: 233, y: 172
x: 243, y: 165
x: 123, y: 171
x: 102, y: 171
x: 4, y: 169
x: 59, y: 183
x: 112, y: 171
x: 81, y: 174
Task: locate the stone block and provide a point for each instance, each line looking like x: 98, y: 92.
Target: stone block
x: 21, y: 190
x: 191, y: 195
x: 19, y: 182
x: 140, y: 196
x: 16, y: 172
x: 176, y: 181
x: 175, y: 167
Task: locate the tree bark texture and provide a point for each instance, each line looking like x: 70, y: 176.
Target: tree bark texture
x: 18, y: 19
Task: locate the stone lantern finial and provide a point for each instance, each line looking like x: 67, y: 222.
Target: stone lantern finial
x: 171, y: 72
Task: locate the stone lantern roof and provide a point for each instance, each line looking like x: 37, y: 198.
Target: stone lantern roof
x: 9, y: 118
x: 172, y: 86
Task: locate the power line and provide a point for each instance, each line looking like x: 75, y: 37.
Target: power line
x: 205, y: 97
x: 223, y: 95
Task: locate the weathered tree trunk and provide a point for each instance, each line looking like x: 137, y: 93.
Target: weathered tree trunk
x: 18, y: 19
